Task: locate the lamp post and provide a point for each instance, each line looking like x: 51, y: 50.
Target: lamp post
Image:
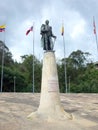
x: 69, y: 84
x: 14, y: 84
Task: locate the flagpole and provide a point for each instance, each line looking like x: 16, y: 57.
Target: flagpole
x: 33, y: 59
x: 64, y: 58
x: 2, y: 63
x: 27, y: 32
x: 65, y: 65
x: 96, y: 41
x: 95, y: 32
x: 2, y: 68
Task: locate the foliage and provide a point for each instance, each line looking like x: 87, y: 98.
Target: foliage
x: 82, y: 72
x: 27, y: 68
x: 82, y: 76
x: 4, y: 51
x: 8, y: 80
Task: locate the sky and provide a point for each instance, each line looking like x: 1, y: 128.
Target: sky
x: 77, y: 16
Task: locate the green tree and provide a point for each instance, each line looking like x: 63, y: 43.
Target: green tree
x: 76, y: 65
x: 27, y: 69
x: 8, y: 61
x: 78, y: 59
x: 8, y: 80
x: 89, y: 80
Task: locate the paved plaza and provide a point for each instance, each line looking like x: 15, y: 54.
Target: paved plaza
x: 15, y: 107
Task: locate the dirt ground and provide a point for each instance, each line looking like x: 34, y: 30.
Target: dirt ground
x: 15, y: 107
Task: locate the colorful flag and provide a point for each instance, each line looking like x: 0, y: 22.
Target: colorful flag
x: 94, y: 25
x: 62, y: 31
x: 2, y: 28
x: 31, y: 29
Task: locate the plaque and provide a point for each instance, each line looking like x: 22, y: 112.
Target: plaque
x: 53, y: 85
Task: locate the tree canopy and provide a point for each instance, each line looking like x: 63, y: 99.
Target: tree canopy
x: 82, y: 76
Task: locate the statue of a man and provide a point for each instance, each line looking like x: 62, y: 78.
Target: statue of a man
x: 46, y: 39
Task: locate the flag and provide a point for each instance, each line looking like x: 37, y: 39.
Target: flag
x: 31, y: 29
x: 94, y: 25
x: 62, y: 31
x: 2, y: 28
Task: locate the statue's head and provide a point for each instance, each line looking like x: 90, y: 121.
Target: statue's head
x: 47, y: 22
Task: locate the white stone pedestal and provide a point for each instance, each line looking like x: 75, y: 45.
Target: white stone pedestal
x: 50, y: 107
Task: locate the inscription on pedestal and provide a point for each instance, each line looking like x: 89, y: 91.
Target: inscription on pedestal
x: 52, y: 85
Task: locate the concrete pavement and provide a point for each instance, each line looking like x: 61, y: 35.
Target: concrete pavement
x: 15, y: 107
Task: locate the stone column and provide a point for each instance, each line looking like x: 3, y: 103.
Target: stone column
x: 50, y: 107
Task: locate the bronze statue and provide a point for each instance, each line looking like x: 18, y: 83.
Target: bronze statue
x: 46, y: 39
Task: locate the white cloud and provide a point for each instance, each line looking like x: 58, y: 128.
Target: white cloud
x: 77, y: 16
x: 78, y: 29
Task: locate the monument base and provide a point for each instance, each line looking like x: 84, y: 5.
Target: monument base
x: 50, y: 107
x: 60, y: 116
